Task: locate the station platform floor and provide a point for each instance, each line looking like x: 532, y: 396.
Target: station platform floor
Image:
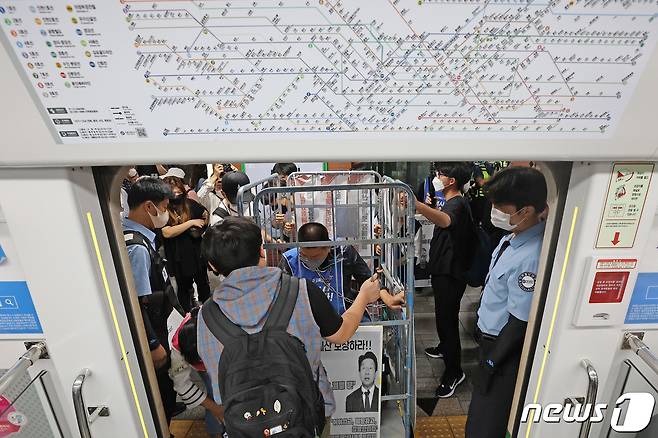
x: 435, y: 418
x: 427, y: 427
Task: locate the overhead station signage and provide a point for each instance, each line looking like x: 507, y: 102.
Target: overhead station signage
x: 136, y: 71
x: 627, y: 193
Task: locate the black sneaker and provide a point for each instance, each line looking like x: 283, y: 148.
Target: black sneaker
x: 434, y: 352
x: 447, y: 387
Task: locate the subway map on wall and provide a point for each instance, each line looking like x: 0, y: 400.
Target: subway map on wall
x: 137, y: 70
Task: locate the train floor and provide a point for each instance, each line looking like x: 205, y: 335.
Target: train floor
x: 436, y: 418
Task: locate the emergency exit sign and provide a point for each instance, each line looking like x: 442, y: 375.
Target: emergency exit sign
x: 627, y: 193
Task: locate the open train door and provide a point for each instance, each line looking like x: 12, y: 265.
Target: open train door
x: 602, y: 289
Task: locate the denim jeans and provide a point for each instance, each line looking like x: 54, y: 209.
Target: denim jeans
x: 213, y: 426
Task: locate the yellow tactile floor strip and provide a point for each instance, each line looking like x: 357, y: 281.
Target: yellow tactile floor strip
x: 180, y: 428
x: 426, y: 427
x: 198, y: 430
x: 440, y: 427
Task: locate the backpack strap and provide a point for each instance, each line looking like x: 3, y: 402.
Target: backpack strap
x: 279, y: 318
x: 222, y: 212
x: 218, y: 323
x: 284, y: 304
x: 136, y: 238
x: 132, y: 237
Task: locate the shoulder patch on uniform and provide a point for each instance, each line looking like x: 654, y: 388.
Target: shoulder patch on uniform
x: 527, y: 281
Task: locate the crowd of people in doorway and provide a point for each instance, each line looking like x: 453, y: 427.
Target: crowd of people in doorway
x: 188, y: 245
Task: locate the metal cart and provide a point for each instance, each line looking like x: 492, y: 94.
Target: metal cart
x: 390, y: 206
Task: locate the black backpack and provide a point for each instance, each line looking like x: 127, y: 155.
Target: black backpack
x: 479, y: 247
x: 265, y: 380
x: 479, y: 269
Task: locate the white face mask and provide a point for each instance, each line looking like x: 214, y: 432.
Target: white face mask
x: 161, y: 219
x: 438, y: 184
x: 501, y: 219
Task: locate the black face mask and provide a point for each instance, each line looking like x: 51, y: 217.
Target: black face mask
x: 178, y: 200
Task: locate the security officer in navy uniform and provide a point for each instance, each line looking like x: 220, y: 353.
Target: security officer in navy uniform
x: 148, y: 199
x: 518, y: 195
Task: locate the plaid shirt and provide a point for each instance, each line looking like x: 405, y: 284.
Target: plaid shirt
x: 245, y: 297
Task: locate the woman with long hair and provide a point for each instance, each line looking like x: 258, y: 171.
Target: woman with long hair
x: 182, y: 241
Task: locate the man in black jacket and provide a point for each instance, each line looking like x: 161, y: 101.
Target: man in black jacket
x: 451, y: 254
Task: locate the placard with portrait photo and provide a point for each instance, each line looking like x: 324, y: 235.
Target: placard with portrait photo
x: 355, y: 371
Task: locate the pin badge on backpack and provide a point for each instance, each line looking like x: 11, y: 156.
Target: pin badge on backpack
x: 277, y: 406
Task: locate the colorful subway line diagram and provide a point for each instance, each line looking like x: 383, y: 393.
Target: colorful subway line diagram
x: 392, y: 66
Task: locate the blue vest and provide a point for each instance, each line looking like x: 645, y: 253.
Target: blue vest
x: 329, y: 280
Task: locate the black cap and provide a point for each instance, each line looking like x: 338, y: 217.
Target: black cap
x: 231, y: 182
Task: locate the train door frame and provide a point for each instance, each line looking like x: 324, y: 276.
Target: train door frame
x: 576, y: 332
x: 108, y: 183
x: 54, y: 218
x: 557, y: 173
x: 558, y: 188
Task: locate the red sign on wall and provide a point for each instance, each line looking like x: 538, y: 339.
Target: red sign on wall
x: 609, y: 287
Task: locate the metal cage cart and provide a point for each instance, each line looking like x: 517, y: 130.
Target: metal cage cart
x: 244, y: 199
x: 352, y: 214
x: 377, y: 218
x: 270, y: 209
x: 333, y: 177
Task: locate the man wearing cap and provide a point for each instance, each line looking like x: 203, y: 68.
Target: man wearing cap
x: 231, y: 183
x: 366, y: 397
